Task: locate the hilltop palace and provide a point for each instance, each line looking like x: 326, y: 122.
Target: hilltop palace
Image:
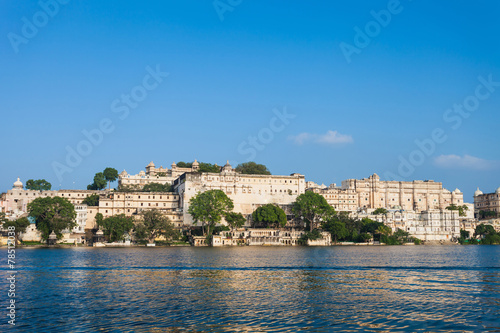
x: 414, y: 206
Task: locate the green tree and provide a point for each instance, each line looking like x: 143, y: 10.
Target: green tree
x: 115, y: 227
x: 380, y: 211
x: 364, y: 237
x: 483, y: 230
x: 462, y: 210
x: 336, y: 228
x: 38, y: 185
x: 235, y: 220
x: 182, y: 164
x: 91, y: 200
x: 401, y: 236
x: 252, y: 168
x: 110, y: 174
x: 313, y: 208
x: 269, y: 215
x: 485, y: 214
x: 154, y: 224
x: 157, y: 187
x: 99, y: 182
x: 209, y: 207
x: 207, y: 167
x: 52, y: 214
x: 464, y: 236
x: 20, y: 225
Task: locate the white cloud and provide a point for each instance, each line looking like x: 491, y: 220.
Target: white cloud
x: 301, y: 138
x: 465, y: 162
x: 330, y: 138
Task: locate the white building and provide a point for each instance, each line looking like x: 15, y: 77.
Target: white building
x: 248, y: 192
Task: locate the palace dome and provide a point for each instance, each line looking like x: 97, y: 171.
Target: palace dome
x: 18, y: 183
x: 478, y: 192
x: 498, y: 190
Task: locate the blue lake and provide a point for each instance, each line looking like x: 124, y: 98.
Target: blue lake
x: 264, y: 289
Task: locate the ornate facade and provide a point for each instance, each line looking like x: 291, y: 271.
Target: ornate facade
x: 487, y: 201
x: 248, y: 192
x: 152, y: 174
x: 416, y: 195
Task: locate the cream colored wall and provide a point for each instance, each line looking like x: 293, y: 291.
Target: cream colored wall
x: 248, y: 192
x: 132, y: 203
x: 416, y: 195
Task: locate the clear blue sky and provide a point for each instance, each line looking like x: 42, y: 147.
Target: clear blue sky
x: 226, y: 76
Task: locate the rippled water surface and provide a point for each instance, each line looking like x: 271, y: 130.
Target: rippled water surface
x: 404, y: 288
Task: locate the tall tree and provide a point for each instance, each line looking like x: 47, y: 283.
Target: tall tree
x: 110, y: 174
x: 18, y: 226
x: 209, y: 207
x: 252, y: 168
x: 99, y: 182
x: 313, y: 208
x: 154, y: 224
x: 91, y: 200
x: 483, y: 230
x: 270, y: 215
x: 115, y: 227
x: 52, y: 214
x: 336, y: 228
x: 38, y: 185
x: 235, y: 220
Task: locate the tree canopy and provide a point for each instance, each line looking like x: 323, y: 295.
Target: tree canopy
x: 208, y: 167
x: 203, y: 166
x: 20, y: 225
x: 91, y: 200
x: 114, y: 227
x: 483, y: 230
x: 52, y: 214
x: 380, y: 211
x: 271, y: 216
x: 154, y: 224
x: 252, y: 168
x: 209, y: 207
x: 99, y: 182
x: 336, y: 228
x: 38, y: 185
x: 313, y: 208
x: 235, y: 220
x: 182, y: 164
x: 462, y: 210
x: 157, y: 187
x: 110, y: 174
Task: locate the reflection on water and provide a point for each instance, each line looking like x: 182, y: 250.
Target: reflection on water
x: 259, y: 289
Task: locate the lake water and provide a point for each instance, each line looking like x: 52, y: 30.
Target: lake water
x: 278, y: 289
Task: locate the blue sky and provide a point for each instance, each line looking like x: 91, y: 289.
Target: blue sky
x: 252, y: 79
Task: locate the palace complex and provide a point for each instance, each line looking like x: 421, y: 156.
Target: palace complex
x: 418, y: 207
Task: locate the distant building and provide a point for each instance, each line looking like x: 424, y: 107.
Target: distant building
x: 342, y: 200
x: 430, y: 225
x: 248, y: 192
x: 416, y: 195
x: 17, y: 199
x: 487, y: 202
x: 152, y: 174
x: 133, y: 203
